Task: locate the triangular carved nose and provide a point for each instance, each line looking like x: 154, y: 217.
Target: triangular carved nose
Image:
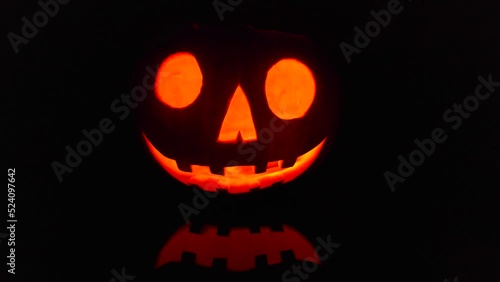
x: 238, y: 123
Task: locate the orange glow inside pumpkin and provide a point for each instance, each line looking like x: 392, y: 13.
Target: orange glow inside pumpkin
x: 236, y: 179
x: 179, y: 80
x: 290, y: 89
x: 238, y: 120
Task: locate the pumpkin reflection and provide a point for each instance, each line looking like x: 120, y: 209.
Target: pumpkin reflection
x: 241, y: 249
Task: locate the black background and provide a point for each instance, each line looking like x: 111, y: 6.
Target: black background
x: 119, y: 207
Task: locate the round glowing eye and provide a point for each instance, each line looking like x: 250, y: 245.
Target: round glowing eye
x: 179, y: 80
x: 290, y: 89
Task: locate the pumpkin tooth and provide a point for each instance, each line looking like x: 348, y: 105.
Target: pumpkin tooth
x: 216, y: 169
x: 289, y: 162
x: 188, y: 258
x: 254, y: 229
x: 184, y: 166
x: 261, y: 261
x: 219, y: 264
x: 196, y: 228
x: 277, y: 228
x: 261, y: 167
x: 223, y: 231
x: 287, y: 256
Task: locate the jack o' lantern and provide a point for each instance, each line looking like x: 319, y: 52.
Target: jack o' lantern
x: 238, y: 110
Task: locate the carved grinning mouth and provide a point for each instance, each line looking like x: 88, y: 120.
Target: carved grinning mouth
x: 241, y: 249
x: 235, y: 179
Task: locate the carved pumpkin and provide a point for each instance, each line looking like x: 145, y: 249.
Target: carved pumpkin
x: 238, y: 110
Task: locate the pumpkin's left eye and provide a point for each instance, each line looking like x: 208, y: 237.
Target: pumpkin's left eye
x: 290, y: 89
x: 179, y: 80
